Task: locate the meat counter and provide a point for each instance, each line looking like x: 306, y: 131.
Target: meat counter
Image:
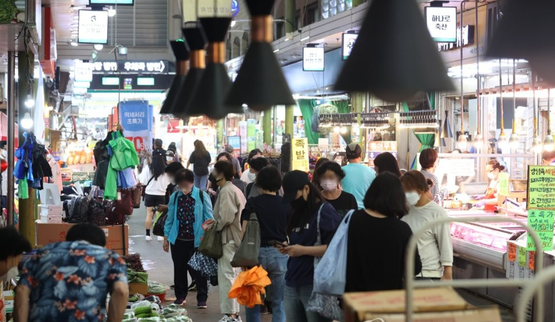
x: 480, y: 249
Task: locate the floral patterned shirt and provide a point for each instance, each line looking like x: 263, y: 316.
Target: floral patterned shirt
x: 69, y: 281
x: 186, y: 216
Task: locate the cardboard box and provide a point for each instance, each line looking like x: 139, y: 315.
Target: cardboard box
x: 53, y: 219
x: 50, y: 233
x: 50, y: 210
x: 430, y: 305
x: 138, y: 288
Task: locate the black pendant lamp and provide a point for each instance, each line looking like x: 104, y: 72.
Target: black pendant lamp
x: 394, y: 56
x: 181, y: 52
x: 523, y: 32
x: 215, y: 83
x: 260, y: 83
x: 197, y: 43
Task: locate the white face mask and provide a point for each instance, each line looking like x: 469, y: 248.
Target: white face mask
x: 10, y: 274
x: 491, y: 175
x: 328, y: 185
x: 251, y: 176
x: 412, y: 198
x: 169, y: 158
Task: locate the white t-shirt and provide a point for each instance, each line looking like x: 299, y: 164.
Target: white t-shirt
x: 157, y: 186
x: 435, y: 246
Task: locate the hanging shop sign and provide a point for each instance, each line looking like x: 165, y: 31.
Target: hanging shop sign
x: 348, y: 42
x: 313, y: 59
x: 83, y: 72
x: 442, y: 23
x: 213, y: 8
x: 299, y: 155
x: 112, y: 2
x: 93, y: 27
x: 136, y: 120
x: 467, y: 39
x: 541, y: 188
x: 160, y: 66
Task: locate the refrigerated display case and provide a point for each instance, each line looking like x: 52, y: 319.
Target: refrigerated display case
x: 480, y: 250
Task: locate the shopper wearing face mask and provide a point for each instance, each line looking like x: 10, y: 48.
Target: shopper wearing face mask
x: 330, y: 175
x: 308, y: 206
x: 11, y: 251
x: 435, y: 246
x: 188, y: 209
x: 252, y: 190
x: 227, y: 213
x: 249, y: 175
x: 489, y: 200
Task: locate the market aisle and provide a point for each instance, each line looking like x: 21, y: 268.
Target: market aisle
x: 160, y: 268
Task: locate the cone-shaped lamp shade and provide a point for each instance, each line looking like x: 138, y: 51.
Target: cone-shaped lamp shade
x: 187, y: 91
x: 521, y: 34
x: 394, y: 56
x: 260, y: 82
x: 215, y: 83
x: 181, y: 52
x: 197, y: 42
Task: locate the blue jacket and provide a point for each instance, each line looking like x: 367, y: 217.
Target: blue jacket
x: 203, y: 212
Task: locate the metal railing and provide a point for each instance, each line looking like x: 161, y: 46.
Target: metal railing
x: 411, y: 284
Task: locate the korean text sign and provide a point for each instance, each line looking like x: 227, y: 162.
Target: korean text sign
x: 541, y: 221
x: 93, y: 27
x: 299, y: 155
x: 442, y: 23
x: 136, y: 120
x: 541, y: 187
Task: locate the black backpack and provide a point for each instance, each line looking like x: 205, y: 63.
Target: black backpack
x: 79, y: 213
x: 97, y: 213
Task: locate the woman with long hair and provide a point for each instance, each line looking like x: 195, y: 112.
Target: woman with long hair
x: 386, y: 162
x: 200, y: 159
x: 156, y: 182
x: 308, y: 209
x: 377, y: 232
x: 435, y: 246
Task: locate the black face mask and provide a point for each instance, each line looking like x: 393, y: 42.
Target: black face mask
x: 299, y: 204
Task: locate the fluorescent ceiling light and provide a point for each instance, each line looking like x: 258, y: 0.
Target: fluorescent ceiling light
x: 305, y: 38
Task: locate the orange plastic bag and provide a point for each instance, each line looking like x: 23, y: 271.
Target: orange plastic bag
x: 249, y: 285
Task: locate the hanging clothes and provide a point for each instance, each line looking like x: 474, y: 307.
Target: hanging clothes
x: 31, y: 167
x: 122, y: 156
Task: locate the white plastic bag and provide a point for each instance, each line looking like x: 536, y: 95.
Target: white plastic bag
x: 330, y: 276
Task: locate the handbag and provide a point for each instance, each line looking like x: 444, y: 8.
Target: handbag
x: 247, y: 253
x: 137, y: 193
x: 124, y: 206
x: 205, y: 265
x: 211, y: 243
x: 330, y: 276
x: 159, y: 223
x: 325, y: 305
